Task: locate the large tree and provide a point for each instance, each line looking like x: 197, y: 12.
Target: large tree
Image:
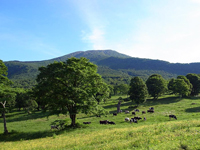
x: 7, y: 94
x: 69, y: 86
x: 138, y: 90
x: 156, y: 85
x: 195, y: 81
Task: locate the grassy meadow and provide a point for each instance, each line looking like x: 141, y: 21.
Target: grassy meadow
x: 32, y: 131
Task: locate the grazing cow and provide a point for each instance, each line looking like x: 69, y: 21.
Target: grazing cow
x: 151, y: 108
x: 150, y: 111
x: 86, y: 122
x: 127, y: 119
x: 98, y: 115
x: 114, y: 114
x: 137, y: 118
x: 172, y: 116
x: 133, y: 120
x: 143, y: 112
x: 126, y: 112
x: 103, y: 122
x: 120, y: 111
x: 111, y: 122
x: 145, y: 118
x: 54, y: 127
x: 137, y: 110
x: 133, y: 113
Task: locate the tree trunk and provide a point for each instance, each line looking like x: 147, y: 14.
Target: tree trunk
x: 118, y: 106
x: 73, y: 119
x: 4, y: 121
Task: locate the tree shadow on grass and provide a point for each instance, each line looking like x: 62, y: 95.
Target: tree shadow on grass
x: 115, y: 105
x: 23, y: 116
x: 165, y: 100
x: 192, y: 110
x: 19, y: 136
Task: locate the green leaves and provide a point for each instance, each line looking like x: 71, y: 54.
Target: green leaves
x: 138, y: 90
x: 69, y: 85
x: 156, y: 85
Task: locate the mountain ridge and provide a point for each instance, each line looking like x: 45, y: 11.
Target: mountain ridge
x: 111, y: 64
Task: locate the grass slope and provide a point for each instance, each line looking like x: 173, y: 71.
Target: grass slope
x: 157, y: 132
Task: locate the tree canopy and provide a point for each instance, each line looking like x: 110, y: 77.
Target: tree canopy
x: 156, y: 85
x: 7, y: 94
x: 195, y: 81
x: 138, y: 90
x: 69, y: 86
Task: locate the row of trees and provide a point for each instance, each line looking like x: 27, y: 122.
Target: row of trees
x: 156, y: 85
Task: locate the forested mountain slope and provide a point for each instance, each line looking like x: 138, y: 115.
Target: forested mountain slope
x: 111, y: 64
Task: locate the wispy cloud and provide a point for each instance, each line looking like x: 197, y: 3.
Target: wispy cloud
x: 95, y: 37
x: 91, y: 14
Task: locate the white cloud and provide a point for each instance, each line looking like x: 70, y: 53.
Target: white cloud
x: 166, y: 30
x: 91, y: 14
x: 170, y: 33
x: 96, y: 38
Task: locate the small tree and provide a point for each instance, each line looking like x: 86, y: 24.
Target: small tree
x: 156, y: 85
x: 138, y: 90
x: 7, y: 94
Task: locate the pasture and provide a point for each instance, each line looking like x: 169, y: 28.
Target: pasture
x: 33, y: 131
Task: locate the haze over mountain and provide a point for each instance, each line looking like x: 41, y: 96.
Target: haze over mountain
x: 111, y: 64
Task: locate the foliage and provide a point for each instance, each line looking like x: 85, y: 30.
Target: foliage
x: 181, y: 86
x: 156, y: 85
x: 98, y: 111
x: 69, y: 86
x: 195, y: 81
x: 7, y: 94
x: 138, y: 90
x: 103, y: 93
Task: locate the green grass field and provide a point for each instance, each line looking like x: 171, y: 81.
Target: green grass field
x: 158, y: 132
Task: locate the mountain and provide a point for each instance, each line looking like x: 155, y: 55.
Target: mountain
x: 113, y: 66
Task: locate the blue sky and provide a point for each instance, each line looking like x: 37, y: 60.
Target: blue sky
x: 32, y: 30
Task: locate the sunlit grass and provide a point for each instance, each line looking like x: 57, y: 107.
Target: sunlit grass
x: 157, y: 132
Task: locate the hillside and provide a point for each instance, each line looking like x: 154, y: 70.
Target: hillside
x: 111, y: 64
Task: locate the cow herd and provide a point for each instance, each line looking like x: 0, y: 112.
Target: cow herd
x: 135, y: 119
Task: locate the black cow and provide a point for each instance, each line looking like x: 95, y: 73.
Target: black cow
x: 114, y: 114
x: 133, y: 120
x: 133, y: 113
x: 150, y: 111
x: 137, y: 118
x: 86, y: 122
x: 103, y: 122
x: 143, y: 112
x: 111, y: 122
x: 172, y: 116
